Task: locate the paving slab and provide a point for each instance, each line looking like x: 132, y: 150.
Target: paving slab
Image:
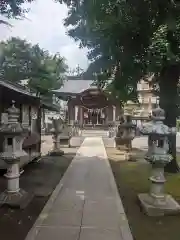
x: 86, y: 204
x: 101, y: 215
x: 99, y: 234
x: 63, y: 233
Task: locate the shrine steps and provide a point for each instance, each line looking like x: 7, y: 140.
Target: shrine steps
x: 94, y: 133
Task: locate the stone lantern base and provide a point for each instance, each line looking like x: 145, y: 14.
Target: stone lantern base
x: 168, y: 206
x: 56, y: 152
x: 124, y: 155
x: 19, y: 199
x: 125, y: 150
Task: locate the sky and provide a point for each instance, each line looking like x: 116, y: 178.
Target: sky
x: 44, y: 25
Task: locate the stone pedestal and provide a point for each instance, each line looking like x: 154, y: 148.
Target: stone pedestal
x: 56, y: 147
x: 125, y: 135
x: 13, y: 134
x: 156, y: 202
x: 166, y: 206
x: 18, y: 199
x: 56, y: 131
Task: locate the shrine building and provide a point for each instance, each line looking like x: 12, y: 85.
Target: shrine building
x: 87, y: 104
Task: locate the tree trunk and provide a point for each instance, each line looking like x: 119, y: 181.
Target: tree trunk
x: 168, y: 101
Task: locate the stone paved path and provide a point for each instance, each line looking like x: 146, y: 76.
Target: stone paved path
x: 85, y: 205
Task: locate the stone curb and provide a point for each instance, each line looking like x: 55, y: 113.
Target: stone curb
x: 124, y: 225
x: 36, y: 227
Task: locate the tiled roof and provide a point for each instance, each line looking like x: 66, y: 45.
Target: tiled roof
x: 17, y: 88
x: 74, y: 86
x: 23, y: 90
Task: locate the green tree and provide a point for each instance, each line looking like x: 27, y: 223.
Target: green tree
x: 15, y: 59
x: 132, y: 39
x: 48, y: 71
x: 20, y: 60
x: 96, y: 25
x: 12, y: 9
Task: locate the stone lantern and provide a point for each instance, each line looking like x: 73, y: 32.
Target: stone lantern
x: 125, y: 135
x: 112, y: 130
x: 156, y: 202
x: 56, y: 131
x: 13, y: 134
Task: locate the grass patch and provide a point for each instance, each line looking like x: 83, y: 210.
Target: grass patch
x: 131, y: 179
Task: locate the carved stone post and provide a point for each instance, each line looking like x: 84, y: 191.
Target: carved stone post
x: 156, y: 202
x: 125, y: 135
x: 56, y: 131
x: 13, y: 134
x: 112, y: 130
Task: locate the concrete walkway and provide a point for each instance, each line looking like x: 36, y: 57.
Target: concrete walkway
x: 85, y: 205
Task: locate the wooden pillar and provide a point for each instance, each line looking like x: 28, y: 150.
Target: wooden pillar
x: 114, y: 113
x: 71, y: 113
x: 1, y: 103
x: 21, y: 113
x: 39, y: 127
x: 150, y: 104
x: 107, y: 115
x: 29, y: 115
x: 1, y: 109
x: 68, y: 113
x: 43, y: 125
x: 81, y: 115
x: 76, y: 113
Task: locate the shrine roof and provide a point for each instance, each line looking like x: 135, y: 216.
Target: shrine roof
x: 75, y: 86
x: 17, y: 88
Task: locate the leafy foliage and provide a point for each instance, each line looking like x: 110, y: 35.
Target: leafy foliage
x: 134, y: 38
x: 13, y: 8
x: 96, y: 25
x: 15, y: 59
x: 20, y: 60
x: 130, y: 39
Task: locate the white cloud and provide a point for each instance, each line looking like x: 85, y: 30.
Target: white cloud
x: 44, y: 25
